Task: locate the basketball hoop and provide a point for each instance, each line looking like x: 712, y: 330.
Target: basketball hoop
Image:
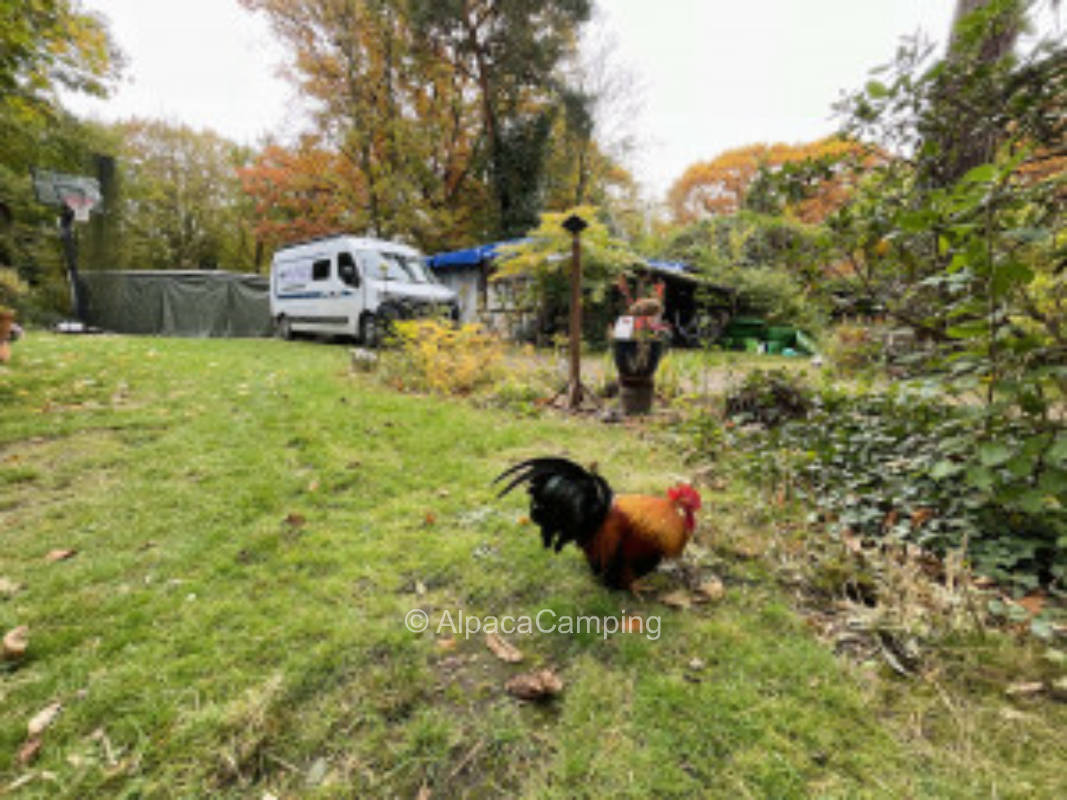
x: 77, y: 192
x: 80, y: 204
x: 77, y: 195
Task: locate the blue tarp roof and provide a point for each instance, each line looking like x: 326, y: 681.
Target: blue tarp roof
x: 474, y: 256
x: 470, y: 257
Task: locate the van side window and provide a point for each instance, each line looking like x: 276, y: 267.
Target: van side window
x: 368, y: 262
x: 320, y: 270
x: 346, y: 269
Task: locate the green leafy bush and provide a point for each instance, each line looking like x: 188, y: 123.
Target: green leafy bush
x: 776, y: 295
x: 519, y: 393
x: 852, y: 347
x: 769, y: 398
x: 905, y: 467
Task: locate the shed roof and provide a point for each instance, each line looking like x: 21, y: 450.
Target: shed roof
x: 471, y: 257
x: 475, y: 256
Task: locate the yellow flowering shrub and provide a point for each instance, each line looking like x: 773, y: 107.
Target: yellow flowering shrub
x: 12, y: 288
x: 443, y: 358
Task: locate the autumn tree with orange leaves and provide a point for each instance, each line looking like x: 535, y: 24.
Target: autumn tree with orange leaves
x: 395, y: 124
x: 441, y: 112
x: 720, y: 186
x: 304, y: 191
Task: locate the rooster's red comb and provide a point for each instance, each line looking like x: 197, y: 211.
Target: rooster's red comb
x: 686, y: 494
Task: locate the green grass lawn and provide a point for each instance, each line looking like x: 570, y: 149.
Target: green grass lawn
x: 253, y: 523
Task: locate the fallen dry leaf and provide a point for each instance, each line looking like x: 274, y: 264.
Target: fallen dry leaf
x: 852, y: 542
x: 15, y: 643
x: 295, y: 520
x: 29, y: 750
x: 59, y: 555
x: 42, y: 719
x: 8, y: 588
x: 920, y: 516
x: 538, y: 685
x: 676, y: 599
x: 1013, y: 715
x: 1024, y: 689
x: 711, y: 589
x: 502, y: 649
x: 1033, y: 603
x: 446, y: 645
x: 20, y: 781
x: 100, y: 736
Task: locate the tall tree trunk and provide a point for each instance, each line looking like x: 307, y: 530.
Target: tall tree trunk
x: 489, y: 120
x: 969, y: 140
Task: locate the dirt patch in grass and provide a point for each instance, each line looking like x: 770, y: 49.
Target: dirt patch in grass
x: 40, y: 475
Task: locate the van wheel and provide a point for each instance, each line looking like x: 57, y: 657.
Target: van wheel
x: 283, y: 328
x: 368, y: 330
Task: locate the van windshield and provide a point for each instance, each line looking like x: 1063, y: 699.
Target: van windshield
x: 394, y: 267
x: 416, y: 268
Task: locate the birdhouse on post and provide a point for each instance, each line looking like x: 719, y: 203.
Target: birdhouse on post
x: 574, y: 225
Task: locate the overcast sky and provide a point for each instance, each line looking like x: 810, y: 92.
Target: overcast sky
x: 712, y: 74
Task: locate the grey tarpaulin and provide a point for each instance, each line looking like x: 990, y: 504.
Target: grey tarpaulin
x: 178, y: 303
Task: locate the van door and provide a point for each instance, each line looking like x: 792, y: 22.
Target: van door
x: 352, y: 290
x: 323, y: 314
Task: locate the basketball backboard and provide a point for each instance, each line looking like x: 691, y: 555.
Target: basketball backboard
x: 77, y: 192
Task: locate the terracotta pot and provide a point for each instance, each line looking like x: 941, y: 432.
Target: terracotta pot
x: 7, y: 322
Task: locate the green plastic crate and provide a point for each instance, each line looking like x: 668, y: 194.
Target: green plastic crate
x: 786, y: 334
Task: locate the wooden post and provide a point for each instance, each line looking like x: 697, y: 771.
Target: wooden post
x: 575, y: 225
x: 574, y: 399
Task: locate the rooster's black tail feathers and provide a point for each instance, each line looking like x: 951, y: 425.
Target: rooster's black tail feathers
x: 567, y: 502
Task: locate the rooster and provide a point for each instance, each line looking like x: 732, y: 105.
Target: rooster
x: 623, y: 536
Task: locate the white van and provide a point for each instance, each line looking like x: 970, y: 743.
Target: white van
x: 348, y: 285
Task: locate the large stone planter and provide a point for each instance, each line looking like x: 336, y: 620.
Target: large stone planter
x: 636, y: 360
